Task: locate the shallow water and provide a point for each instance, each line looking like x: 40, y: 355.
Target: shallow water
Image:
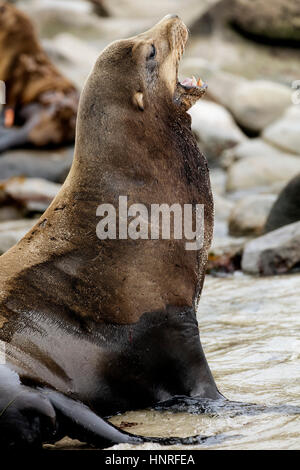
x: 250, y: 332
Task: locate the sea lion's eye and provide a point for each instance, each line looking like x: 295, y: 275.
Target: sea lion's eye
x: 153, y: 52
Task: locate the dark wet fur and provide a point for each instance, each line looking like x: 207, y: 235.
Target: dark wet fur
x: 221, y: 407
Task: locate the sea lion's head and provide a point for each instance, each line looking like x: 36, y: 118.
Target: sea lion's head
x: 144, y: 69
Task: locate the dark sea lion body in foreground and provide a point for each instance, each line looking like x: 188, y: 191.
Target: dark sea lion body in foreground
x: 111, y: 323
x: 41, y: 104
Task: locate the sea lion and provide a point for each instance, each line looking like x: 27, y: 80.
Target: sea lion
x: 110, y: 324
x: 286, y: 208
x: 41, y: 104
x: 99, y: 8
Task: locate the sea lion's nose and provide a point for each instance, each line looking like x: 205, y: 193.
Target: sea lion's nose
x: 171, y: 16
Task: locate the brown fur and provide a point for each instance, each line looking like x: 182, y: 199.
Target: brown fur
x: 31, y: 78
x: 148, y: 155
x: 68, y: 298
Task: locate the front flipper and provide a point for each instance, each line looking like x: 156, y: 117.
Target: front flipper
x: 32, y: 416
x: 79, y: 422
x: 27, y: 418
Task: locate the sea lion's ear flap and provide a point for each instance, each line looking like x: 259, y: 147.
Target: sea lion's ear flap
x: 138, y: 100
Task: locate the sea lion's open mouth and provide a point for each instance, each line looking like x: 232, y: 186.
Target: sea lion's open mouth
x: 190, y: 83
x: 189, y: 90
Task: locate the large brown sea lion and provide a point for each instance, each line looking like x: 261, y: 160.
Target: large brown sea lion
x: 93, y: 326
x: 41, y: 104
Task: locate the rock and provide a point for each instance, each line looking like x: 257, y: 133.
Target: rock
x: 286, y: 208
x: 248, y: 148
x: 54, y: 17
x: 36, y: 164
x: 256, y: 104
x: 11, y: 232
x: 10, y: 213
x: 262, y: 170
x: 276, y: 19
x: 285, y: 133
x: 276, y: 252
x: 73, y: 56
x: 218, y: 180
x: 249, y: 215
x: 223, y: 207
x: 214, y: 128
x: 188, y: 10
x: 225, y: 255
x: 34, y: 194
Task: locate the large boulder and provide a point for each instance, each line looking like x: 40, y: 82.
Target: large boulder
x: 273, y: 19
x: 249, y: 215
x: 214, y: 128
x: 276, y: 252
x: 72, y: 55
x: 34, y: 194
x: 53, y: 166
x: 285, y: 132
x: 262, y: 170
x: 11, y: 232
x: 249, y: 148
x: 256, y: 104
x: 286, y: 208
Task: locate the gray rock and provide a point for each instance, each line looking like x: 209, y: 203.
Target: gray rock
x: 256, y: 104
x: 262, y: 170
x: 214, y: 128
x: 274, y: 253
x: 249, y: 215
x: 285, y: 133
x: 223, y: 207
x: 73, y: 56
x: 52, y: 166
x: 10, y: 213
x: 227, y: 245
x: 189, y: 10
x: 34, y: 194
x: 11, y: 232
x: 218, y: 180
x: 276, y: 19
x: 249, y: 148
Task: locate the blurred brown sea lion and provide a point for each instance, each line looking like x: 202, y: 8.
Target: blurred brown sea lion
x: 41, y: 104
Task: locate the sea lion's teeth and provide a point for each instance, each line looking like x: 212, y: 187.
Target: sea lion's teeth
x: 194, y: 81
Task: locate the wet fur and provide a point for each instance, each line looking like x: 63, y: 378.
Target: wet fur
x: 112, y: 323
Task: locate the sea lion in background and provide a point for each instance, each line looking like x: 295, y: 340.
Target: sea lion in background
x: 286, y: 208
x: 99, y: 8
x: 41, y: 104
x: 91, y: 327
